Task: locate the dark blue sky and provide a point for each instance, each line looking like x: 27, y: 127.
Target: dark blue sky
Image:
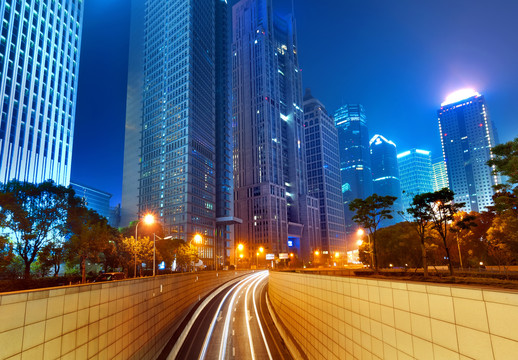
x: 399, y: 58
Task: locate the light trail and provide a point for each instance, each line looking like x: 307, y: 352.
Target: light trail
x: 257, y: 316
x: 223, y: 346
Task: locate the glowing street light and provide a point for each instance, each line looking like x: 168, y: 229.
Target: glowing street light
x: 359, y: 242
x: 148, y: 219
x: 197, y: 239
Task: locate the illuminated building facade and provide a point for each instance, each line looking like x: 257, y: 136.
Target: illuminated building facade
x: 94, y: 199
x: 178, y: 124
x: 355, y: 161
x: 467, y: 137
x: 269, y: 153
x: 440, y: 177
x: 323, y: 169
x: 40, y: 41
x: 415, y: 174
x: 385, y: 174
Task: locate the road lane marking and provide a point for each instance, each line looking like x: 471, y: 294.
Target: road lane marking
x: 259, y: 320
x: 214, y: 320
x: 226, y: 328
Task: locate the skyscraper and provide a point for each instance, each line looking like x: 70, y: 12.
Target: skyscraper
x: 440, y: 177
x: 385, y: 173
x: 467, y: 137
x: 94, y: 199
x: 269, y: 155
x: 355, y: 161
x: 415, y: 174
x: 39, y: 66
x: 323, y: 169
x: 177, y: 127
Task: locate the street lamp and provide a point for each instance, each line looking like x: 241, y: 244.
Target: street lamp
x: 148, y: 219
x: 261, y: 250
x: 154, y: 249
x: 239, y: 247
x: 197, y: 240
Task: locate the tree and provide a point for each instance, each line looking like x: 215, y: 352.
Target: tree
x: 462, y: 224
x: 6, y: 254
x: 397, y: 245
x: 33, y: 214
x: 141, y: 250
x: 419, y: 211
x: 369, y: 214
x: 505, y: 162
x: 89, y: 236
x: 51, y: 256
x: 442, y: 209
x: 503, y: 239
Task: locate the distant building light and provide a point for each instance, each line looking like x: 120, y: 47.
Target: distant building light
x: 406, y: 153
x: 424, y: 152
x: 459, y: 95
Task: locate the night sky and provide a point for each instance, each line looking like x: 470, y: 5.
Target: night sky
x: 399, y: 58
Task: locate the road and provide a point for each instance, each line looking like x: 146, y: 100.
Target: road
x: 233, y: 324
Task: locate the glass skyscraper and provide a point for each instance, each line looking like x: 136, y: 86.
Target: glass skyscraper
x: 94, y: 199
x: 355, y: 161
x: 178, y: 125
x: 269, y: 153
x: 467, y: 137
x: 440, y: 177
x: 415, y: 174
x: 323, y: 169
x: 40, y: 42
x: 385, y: 173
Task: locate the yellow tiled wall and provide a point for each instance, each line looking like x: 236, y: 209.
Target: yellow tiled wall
x: 113, y: 320
x: 355, y: 318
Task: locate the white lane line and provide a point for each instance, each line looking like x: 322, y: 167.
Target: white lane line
x: 187, y: 329
x: 216, y: 318
x: 247, y: 314
x: 224, y: 337
x: 258, y: 319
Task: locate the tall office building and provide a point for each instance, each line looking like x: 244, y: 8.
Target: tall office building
x: 177, y: 153
x: 415, y: 174
x: 355, y: 161
x: 94, y: 199
x: 269, y: 154
x: 440, y: 177
x: 385, y: 174
x: 39, y: 65
x: 467, y: 137
x: 323, y: 169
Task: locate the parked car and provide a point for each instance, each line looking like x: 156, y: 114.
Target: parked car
x: 110, y: 276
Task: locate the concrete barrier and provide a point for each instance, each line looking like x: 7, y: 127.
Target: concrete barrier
x: 355, y: 318
x: 128, y: 319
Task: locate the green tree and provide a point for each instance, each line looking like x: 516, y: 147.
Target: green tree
x: 89, y: 236
x: 505, y: 162
x: 6, y: 254
x: 397, y: 245
x: 51, y: 256
x: 461, y: 225
x: 419, y: 211
x: 503, y: 239
x: 369, y: 214
x: 33, y: 214
x: 442, y: 209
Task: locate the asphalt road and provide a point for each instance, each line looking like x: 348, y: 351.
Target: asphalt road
x: 234, y: 324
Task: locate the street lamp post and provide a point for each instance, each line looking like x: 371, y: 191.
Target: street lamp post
x: 154, y: 249
x: 148, y: 220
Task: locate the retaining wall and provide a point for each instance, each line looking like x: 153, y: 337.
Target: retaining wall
x: 114, y: 320
x: 356, y: 318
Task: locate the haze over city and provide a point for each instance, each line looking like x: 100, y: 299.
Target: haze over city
x: 399, y: 59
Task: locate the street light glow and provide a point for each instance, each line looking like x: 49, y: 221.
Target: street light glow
x: 261, y: 249
x: 240, y: 247
x: 337, y: 254
x: 149, y: 219
x: 359, y: 242
x: 360, y: 232
x: 317, y: 252
x: 197, y: 239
